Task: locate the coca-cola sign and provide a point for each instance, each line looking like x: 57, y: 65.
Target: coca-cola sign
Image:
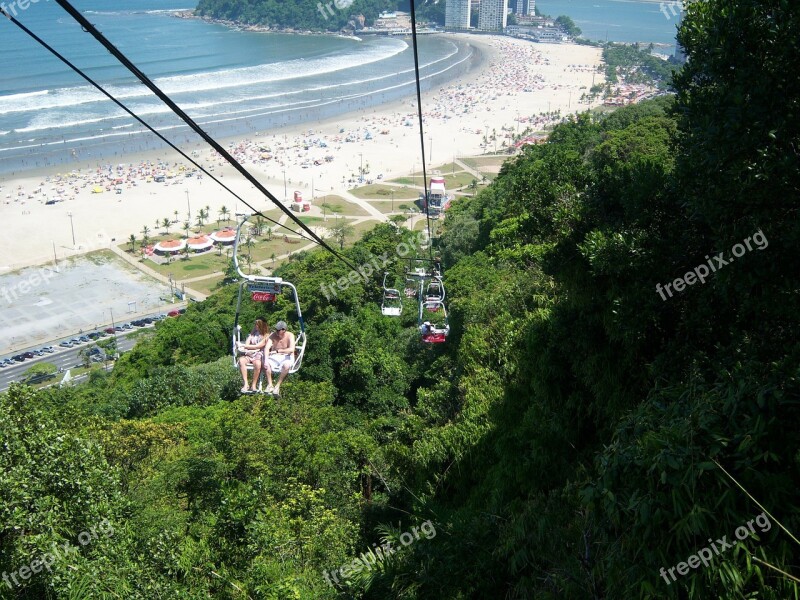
x: 263, y: 297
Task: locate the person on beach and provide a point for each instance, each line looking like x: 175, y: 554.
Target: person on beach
x: 281, y: 357
x: 253, y: 350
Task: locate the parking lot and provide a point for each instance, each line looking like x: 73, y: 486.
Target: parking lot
x: 38, y: 305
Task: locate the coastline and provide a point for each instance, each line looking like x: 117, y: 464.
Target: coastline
x: 506, y: 89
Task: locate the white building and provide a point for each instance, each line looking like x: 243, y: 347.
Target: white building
x: 525, y: 8
x: 493, y: 15
x: 456, y: 14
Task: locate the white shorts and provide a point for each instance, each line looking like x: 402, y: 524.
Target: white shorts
x: 276, y: 361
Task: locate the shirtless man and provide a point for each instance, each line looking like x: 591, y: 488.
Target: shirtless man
x: 281, y: 356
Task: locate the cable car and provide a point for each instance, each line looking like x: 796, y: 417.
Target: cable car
x: 392, y: 305
x: 434, y: 333
x: 266, y: 290
x: 434, y: 293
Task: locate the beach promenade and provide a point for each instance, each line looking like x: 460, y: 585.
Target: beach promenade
x: 518, y: 85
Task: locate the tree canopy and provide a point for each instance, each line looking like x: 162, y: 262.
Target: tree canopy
x: 569, y: 439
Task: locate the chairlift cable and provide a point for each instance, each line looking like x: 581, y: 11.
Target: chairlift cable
x: 421, y: 126
x: 91, y: 29
x: 108, y: 95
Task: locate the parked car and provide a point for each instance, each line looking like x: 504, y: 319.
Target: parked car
x: 28, y: 355
x: 111, y: 329
x: 18, y: 358
x: 48, y: 349
x: 173, y: 313
x: 93, y: 336
x: 75, y: 341
x: 182, y: 310
x: 84, y: 339
x: 119, y: 328
x: 38, y: 352
x: 94, y: 351
x: 66, y: 344
x: 147, y: 320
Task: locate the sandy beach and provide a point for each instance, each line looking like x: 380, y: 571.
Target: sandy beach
x: 511, y: 89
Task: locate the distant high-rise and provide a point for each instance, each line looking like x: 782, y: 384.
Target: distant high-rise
x: 525, y: 8
x: 493, y: 15
x: 456, y: 14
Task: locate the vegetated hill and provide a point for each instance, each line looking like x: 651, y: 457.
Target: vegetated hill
x: 562, y: 442
x: 296, y: 14
x: 307, y: 14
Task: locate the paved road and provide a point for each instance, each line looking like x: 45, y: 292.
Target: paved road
x: 63, y: 358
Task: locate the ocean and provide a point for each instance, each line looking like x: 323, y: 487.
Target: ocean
x: 619, y: 20
x: 232, y: 82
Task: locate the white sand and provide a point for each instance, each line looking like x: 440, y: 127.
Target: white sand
x: 517, y: 80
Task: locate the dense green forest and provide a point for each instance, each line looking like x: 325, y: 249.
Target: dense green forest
x: 296, y: 14
x: 308, y: 15
x: 569, y: 439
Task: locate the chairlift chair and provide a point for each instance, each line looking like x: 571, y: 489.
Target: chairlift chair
x: 434, y: 333
x: 264, y: 289
x: 392, y: 304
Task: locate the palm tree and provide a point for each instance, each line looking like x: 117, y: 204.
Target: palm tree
x: 223, y: 212
x: 272, y: 256
x: 165, y: 224
x: 132, y: 242
x: 145, y: 236
x: 473, y: 186
x: 249, y: 243
x: 176, y: 216
x: 200, y: 218
x: 186, y: 226
x: 258, y: 226
x: 340, y: 231
x: 269, y: 234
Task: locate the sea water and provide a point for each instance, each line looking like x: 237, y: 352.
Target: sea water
x: 229, y: 81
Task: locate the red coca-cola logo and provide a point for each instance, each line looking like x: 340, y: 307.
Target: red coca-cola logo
x: 263, y: 297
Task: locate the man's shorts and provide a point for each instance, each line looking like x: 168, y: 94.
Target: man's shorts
x: 276, y: 361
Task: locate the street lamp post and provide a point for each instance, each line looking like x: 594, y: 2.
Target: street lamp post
x: 284, y: 186
x: 361, y: 168
x: 72, y: 227
x: 430, y: 150
x: 188, y: 207
x: 392, y: 200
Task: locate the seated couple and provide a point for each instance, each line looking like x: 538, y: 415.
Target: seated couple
x: 278, y: 348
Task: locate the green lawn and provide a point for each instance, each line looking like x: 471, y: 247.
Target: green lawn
x: 477, y: 162
x: 385, y: 206
x: 338, y: 205
x: 459, y: 180
x: 207, y: 286
x: 384, y: 192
